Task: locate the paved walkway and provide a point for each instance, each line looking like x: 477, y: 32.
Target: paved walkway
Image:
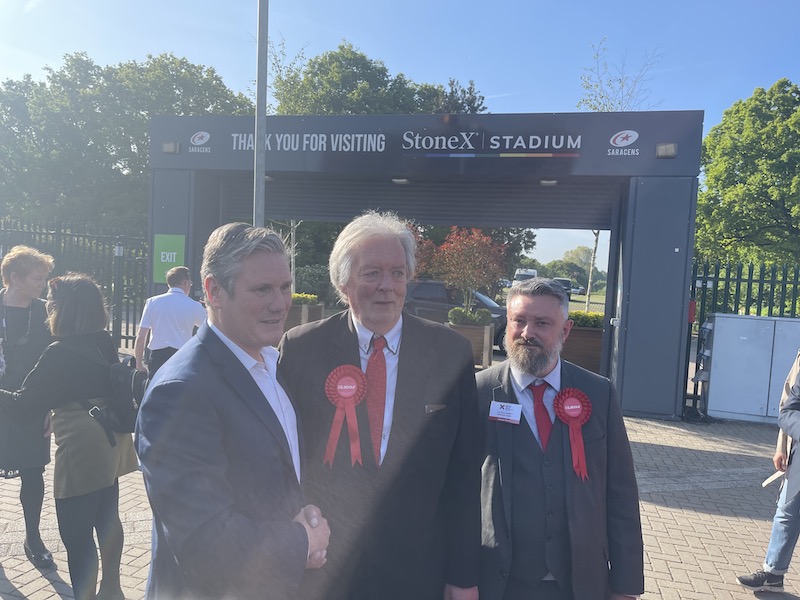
x: 705, y: 516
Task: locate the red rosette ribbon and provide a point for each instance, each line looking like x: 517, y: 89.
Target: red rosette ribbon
x: 345, y: 387
x: 573, y: 408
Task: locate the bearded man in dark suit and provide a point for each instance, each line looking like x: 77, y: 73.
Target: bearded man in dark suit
x: 560, y: 506
x: 388, y: 406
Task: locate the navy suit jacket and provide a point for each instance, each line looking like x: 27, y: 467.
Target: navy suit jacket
x: 220, y: 480
x: 605, y: 531
x: 404, y: 529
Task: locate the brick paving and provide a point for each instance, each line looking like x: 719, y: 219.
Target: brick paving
x: 706, y: 517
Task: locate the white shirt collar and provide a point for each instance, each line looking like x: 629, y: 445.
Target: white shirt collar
x: 365, y: 335
x: 523, y: 380
x: 269, y: 354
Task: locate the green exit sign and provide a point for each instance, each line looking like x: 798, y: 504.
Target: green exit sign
x: 168, y: 252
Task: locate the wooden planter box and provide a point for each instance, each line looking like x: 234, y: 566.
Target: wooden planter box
x: 303, y: 313
x: 583, y: 347
x: 482, y: 340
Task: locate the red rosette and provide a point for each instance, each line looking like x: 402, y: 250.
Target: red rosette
x: 573, y: 407
x: 345, y: 387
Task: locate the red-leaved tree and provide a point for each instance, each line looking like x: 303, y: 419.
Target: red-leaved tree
x: 469, y: 260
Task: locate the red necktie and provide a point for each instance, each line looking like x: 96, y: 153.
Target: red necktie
x: 543, y: 423
x: 376, y: 394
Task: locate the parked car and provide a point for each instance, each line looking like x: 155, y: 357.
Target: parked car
x: 579, y: 291
x: 432, y: 300
x: 567, y: 283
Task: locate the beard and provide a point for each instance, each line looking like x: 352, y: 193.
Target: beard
x: 531, y: 356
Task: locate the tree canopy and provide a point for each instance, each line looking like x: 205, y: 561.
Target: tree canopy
x: 749, y: 208
x: 75, y: 146
x: 346, y: 81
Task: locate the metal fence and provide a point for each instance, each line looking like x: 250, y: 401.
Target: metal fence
x: 117, y: 260
x: 736, y: 288
x: 768, y: 291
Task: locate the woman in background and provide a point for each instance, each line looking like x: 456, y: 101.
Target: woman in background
x: 25, y: 443
x: 87, y: 467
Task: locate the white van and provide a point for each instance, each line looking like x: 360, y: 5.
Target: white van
x: 523, y: 274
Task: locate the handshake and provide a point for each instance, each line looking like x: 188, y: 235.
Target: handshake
x: 318, y: 533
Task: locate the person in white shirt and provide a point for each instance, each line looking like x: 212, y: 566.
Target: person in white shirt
x: 168, y: 320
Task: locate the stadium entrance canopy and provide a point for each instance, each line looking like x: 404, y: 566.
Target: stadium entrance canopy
x: 633, y: 174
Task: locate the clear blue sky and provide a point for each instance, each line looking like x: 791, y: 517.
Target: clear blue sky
x: 524, y: 55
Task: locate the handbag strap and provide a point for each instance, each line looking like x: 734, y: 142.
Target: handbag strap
x: 93, y: 410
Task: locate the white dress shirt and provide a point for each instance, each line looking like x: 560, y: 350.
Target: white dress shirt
x: 264, y: 374
x: 171, y: 317
x: 391, y: 352
x: 520, y: 381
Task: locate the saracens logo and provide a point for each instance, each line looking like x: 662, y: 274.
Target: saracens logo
x: 198, y: 141
x: 201, y: 137
x: 624, y: 138
x: 620, y: 141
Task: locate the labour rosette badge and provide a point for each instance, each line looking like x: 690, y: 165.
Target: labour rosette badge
x: 345, y: 387
x: 573, y: 408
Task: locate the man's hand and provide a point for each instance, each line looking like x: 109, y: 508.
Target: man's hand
x: 452, y: 592
x: 779, y: 460
x: 622, y: 597
x: 318, y: 533
x: 138, y: 348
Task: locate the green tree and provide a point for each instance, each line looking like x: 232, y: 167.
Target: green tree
x: 527, y: 262
x: 749, y: 208
x: 565, y: 268
x: 75, y: 146
x: 581, y: 256
x: 346, y: 81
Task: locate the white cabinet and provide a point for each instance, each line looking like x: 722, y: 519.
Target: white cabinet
x: 750, y: 357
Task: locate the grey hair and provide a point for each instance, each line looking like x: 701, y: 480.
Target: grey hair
x: 370, y: 224
x: 541, y: 286
x: 229, y: 244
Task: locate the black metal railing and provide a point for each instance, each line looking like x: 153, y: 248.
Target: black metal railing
x: 116, y: 259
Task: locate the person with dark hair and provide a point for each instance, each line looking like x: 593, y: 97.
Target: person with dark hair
x: 87, y: 467
x: 25, y: 443
x: 168, y: 320
x: 559, y: 500
x: 219, y: 443
x: 388, y: 406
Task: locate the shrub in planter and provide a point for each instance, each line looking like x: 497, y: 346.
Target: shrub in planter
x: 584, y: 344
x: 305, y: 308
x: 305, y: 299
x: 479, y: 318
x: 581, y: 318
x: 477, y: 328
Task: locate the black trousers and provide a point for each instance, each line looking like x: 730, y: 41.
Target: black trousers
x: 78, y: 517
x: 158, y: 358
x: 546, y: 590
